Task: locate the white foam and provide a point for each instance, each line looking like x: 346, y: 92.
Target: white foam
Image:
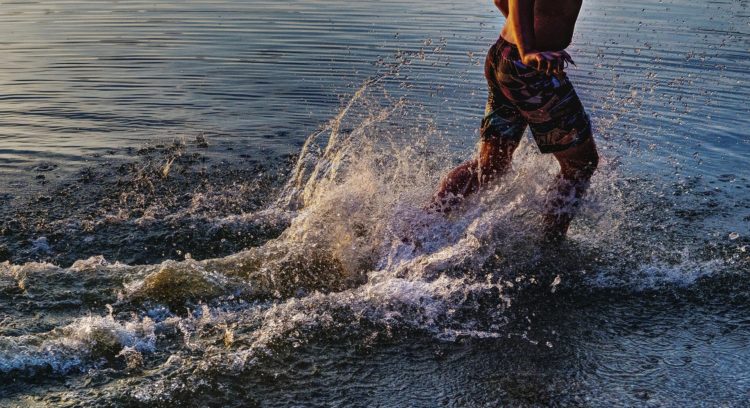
x: 658, y: 274
x: 73, y: 346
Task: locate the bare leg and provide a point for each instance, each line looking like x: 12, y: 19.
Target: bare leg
x: 492, y: 161
x: 577, y: 165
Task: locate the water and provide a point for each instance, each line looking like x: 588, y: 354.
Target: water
x: 219, y: 204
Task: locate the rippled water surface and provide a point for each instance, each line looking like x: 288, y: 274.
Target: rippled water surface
x: 219, y: 203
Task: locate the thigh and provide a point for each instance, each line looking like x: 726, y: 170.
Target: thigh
x: 549, y: 105
x: 503, y: 123
x: 580, y: 161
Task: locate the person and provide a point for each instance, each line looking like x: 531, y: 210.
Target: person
x: 528, y: 87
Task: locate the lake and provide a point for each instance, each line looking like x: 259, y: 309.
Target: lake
x: 219, y: 203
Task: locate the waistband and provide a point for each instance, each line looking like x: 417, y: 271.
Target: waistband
x: 507, y: 50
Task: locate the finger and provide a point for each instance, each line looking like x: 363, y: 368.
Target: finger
x: 559, y: 63
x: 561, y: 71
x: 563, y: 56
x: 552, y: 62
x: 537, y: 62
x: 569, y: 59
x: 549, y: 61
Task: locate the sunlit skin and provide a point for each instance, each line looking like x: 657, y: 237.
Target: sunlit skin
x: 541, y: 29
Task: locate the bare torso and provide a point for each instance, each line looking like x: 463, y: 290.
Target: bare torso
x: 554, y: 22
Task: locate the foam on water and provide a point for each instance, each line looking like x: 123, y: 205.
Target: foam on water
x: 88, y: 341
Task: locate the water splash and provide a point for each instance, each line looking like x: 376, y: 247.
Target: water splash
x: 359, y: 258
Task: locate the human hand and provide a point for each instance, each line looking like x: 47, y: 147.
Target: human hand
x: 551, y: 62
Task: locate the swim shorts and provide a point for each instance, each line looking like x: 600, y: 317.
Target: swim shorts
x: 520, y: 95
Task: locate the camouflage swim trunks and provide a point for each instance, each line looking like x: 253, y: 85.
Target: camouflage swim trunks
x: 520, y: 95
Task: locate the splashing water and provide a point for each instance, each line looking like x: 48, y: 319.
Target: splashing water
x: 359, y: 258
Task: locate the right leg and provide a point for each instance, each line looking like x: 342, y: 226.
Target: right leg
x: 501, y: 132
x: 492, y: 161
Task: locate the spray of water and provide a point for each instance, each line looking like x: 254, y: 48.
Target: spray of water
x: 359, y: 257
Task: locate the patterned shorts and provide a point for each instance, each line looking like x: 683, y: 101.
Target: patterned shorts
x: 520, y: 95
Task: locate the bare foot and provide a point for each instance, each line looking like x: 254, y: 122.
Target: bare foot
x: 445, y: 204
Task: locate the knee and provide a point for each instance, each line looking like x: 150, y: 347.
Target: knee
x: 496, y: 155
x: 581, y: 168
x: 593, y: 163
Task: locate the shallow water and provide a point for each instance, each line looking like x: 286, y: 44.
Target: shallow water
x: 220, y: 204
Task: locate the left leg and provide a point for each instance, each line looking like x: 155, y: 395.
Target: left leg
x: 577, y: 165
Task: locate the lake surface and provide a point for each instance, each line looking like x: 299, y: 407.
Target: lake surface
x: 218, y: 203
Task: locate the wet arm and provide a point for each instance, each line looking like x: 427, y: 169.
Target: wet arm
x: 521, y: 16
x: 521, y: 20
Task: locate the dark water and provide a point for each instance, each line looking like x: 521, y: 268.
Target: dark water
x: 219, y: 204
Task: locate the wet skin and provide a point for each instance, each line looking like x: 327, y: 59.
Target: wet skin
x: 541, y: 29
